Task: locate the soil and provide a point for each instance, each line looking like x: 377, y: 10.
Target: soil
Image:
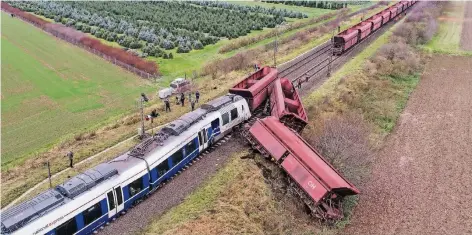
x: 422, y: 179
x: 174, y: 192
x: 466, y: 37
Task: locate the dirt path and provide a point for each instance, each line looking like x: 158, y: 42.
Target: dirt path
x: 466, y: 37
x: 422, y: 180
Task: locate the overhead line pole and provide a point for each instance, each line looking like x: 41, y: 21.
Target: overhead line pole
x: 331, y: 52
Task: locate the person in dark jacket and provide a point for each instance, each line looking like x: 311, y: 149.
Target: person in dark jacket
x: 197, y: 96
x: 192, y: 103
x: 70, y: 155
x: 167, y: 103
x: 182, y: 99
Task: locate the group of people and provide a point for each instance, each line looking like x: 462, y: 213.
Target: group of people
x: 181, y: 100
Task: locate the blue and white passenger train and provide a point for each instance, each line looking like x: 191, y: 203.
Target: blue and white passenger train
x: 87, y: 201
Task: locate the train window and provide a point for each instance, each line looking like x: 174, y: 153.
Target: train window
x: 205, y: 135
x: 119, y: 195
x: 111, y: 200
x: 135, y: 187
x: 92, y: 214
x: 215, y: 123
x: 162, y: 168
x: 234, y: 114
x: 190, y: 147
x: 69, y: 227
x: 225, y: 118
x: 200, y: 138
x: 177, y: 157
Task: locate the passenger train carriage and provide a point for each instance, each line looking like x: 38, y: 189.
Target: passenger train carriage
x: 89, y: 200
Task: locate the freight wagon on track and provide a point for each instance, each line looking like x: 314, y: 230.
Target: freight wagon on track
x: 350, y: 37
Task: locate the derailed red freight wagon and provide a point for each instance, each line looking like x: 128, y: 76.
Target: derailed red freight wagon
x: 316, y: 181
x: 255, y: 87
x: 286, y: 105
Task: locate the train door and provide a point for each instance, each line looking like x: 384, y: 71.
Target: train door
x: 115, y: 201
x: 203, y: 138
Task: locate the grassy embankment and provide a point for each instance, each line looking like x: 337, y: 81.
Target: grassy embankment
x: 16, y: 181
x: 447, y: 39
x: 238, y: 199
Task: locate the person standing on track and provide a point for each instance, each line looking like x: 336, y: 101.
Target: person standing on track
x: 192, y: 103
x: 70, y: 155
x: 167, y: 103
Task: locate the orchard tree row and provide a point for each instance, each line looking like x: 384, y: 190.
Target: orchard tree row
x: 153, y: 27
x: 313, y: 4
x: 256, y: 9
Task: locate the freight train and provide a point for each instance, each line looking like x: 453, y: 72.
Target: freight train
x: 350, y: 37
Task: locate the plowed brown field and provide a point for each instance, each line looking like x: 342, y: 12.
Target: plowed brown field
x: 422, y: 180
x: 466, y: 37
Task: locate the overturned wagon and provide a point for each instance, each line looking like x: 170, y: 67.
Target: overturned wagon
x: 315, y: 180
x: 286, y: 105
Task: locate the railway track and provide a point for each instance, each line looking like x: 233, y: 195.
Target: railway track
x: 312, y: 67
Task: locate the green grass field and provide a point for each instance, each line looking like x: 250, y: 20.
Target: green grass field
x: 448, y: 37
x: 51, y: 89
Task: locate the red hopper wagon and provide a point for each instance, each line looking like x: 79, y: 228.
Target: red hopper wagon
x: 364, y: 29
x: 316, y: 181
x: 351, y: 36
x: 376, y: 21
x: 286, y: 105
x: 255, y: 87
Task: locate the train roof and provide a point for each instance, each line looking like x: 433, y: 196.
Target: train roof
x: 21, y: 214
